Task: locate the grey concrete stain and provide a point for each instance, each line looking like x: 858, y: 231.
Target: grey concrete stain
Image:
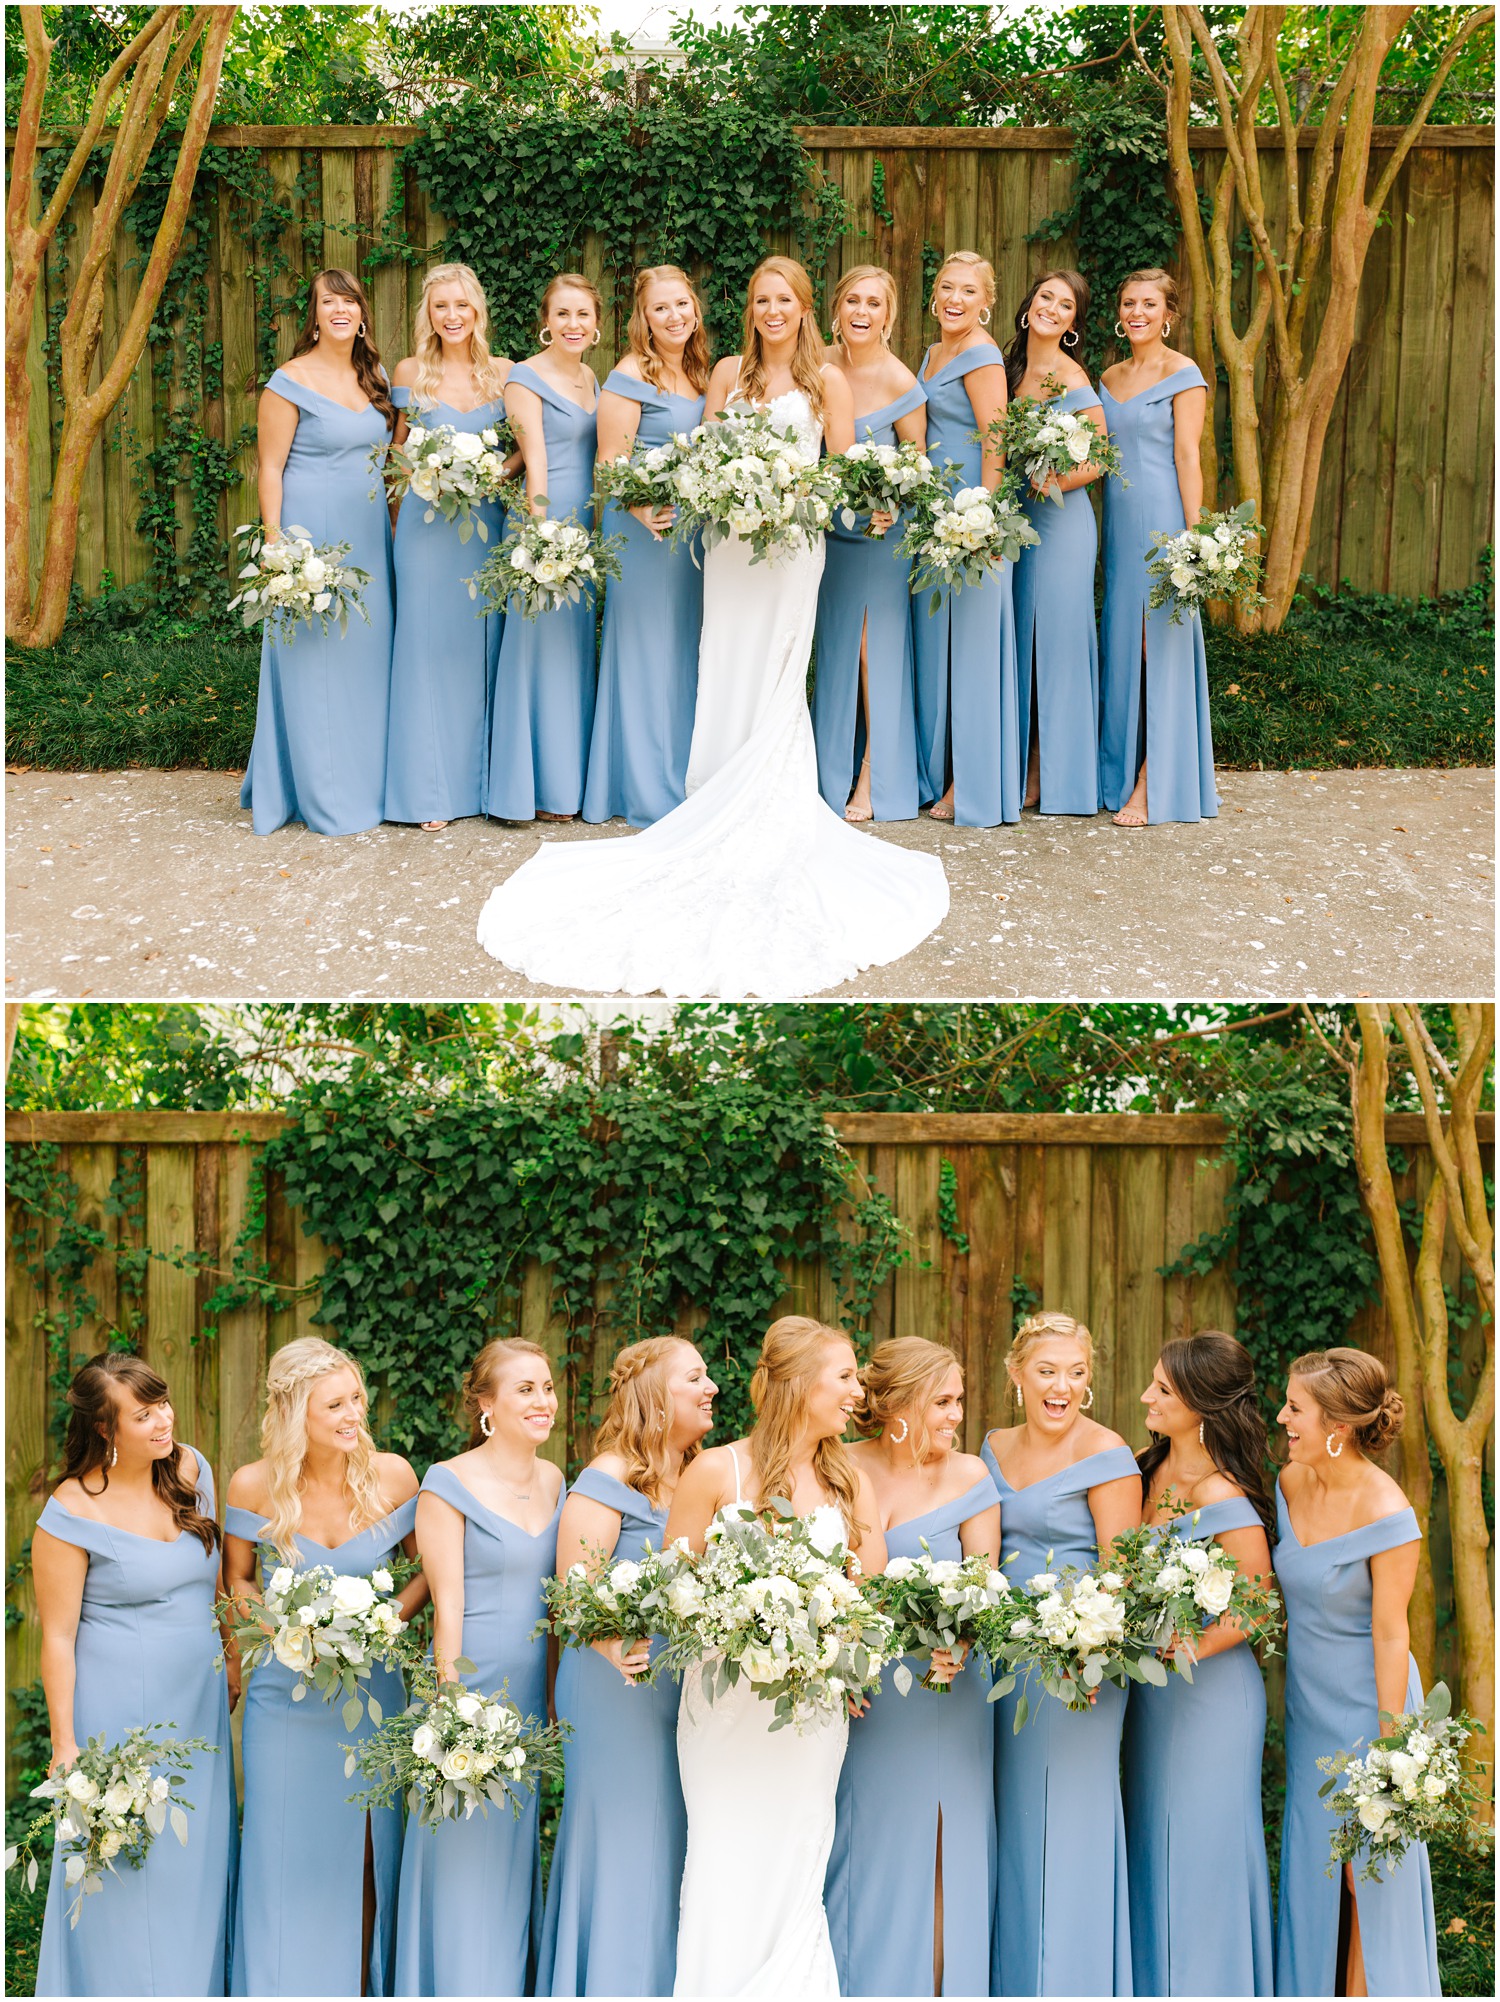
x: 151, y: 885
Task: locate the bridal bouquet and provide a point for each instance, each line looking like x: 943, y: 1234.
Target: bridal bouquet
x: 1042, y: 442
x: 452, y: 471
x: 879, y: 479
x: 958, y: 538
x: 288, y: 580
x: 770, y: 1600
x: 624, y: 1601
x: 1410, y: 1786
x: 646, y: 477
x: 452, y: 1751
x: 936, y: 1602
x: 1069, y: 1630
x: 330, y: 1629
x: 745, y: 478
x: 542, y: 565
x: 1214, y: 560
x: 109, y: 1807
x: 1174, y: 1586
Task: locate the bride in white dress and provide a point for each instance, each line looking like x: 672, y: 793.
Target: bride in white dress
x: 753, y: 886
x: 760, y: 1803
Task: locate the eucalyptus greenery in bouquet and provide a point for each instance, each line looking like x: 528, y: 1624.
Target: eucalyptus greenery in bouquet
x: 1175, y: 1586
x: 1040, y: 442
x: 289, y: 580
x: 541, y: 565
x: 452, y: 1751
x: 329, y: 1628
x: 1411, y: 1785
x: 1219, y: 559
x: 879, y: 479
x: 958, y: 538
x: 936, y: 1602
x: 450, y: 471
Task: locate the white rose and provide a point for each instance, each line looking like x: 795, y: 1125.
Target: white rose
x: 1110, y: 1581
x: 352, y: 1595
x: 1434, y: 1786
x: 382, y: 1580
x: 466, y: 445
x: 1195, y: 1560
x: 547, y: 530
x: 117, y: 1798
x: 314, y: 570
x: 424, y: 483
x: 625, y: 1576
x: 1232, y: 562
x: 1214, y: 1590
x: 760, y: 1664
x: 1403, y: 1768
x: 281, y: 1580
x: 307, y: 1616
x: 426, y: 1744
x: 1079, y: 446
x: 1042, y: 1582
x: 490, y: 436
x: 469, y: 1709
x: 1374, y: 1814
x: 161, y: 1786
x: 1182, y: 577
x: 494, y: 1718
x: 459, y: 1764
x: 111, y: 1843
x: 293, y: 1648
x: 520, y: 559
x: 685, y: 1597
x: 415, y: 435
x: 1420, y: 1747
x: 546, y: 571
x: 901, y: 1567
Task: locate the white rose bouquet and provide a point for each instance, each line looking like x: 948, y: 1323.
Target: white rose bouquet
x: 329, y: 1628
x: 958, y: 538
x: 1040, y: 442
x: 289, y: 580
x: 625, y: 1601
x: 1411, y: 1785
x: 108, y: 1807
x: 1214, y: 560
x: 1068, y: 1629
x: 936, y: 1602
x: 452, y: 1751
x: 770, y: 1599
x: 645, y: 477
x: 542, y: 565
x: 745, y: 478
x: 450, y: 471
x: 879, y: 479
x: 1175, y: 1586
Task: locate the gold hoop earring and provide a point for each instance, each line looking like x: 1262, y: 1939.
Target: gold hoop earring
x: 544, y: 338
x: 933, y: 309
x: 361, y: 334
x: 1070, y: 339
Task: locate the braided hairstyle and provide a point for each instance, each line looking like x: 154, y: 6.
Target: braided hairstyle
x: 638, y: 1421
x: 283, y: 1441
x: 1214, y: 1376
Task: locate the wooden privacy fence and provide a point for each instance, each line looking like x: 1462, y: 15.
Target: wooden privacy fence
x: 1407, y: 497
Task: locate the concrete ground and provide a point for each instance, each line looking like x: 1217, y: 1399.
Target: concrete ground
x: 150, y: 884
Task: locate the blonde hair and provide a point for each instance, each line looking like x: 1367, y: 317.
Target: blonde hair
x: 1351, y: 1387
x: 485, y: 1370
x: 902, y: 1376
x: 809, y: 354
x: 639, y: 1418
x: 1151, y: 274
x: 575, y: 279
x: 697, y: 356
x: 427, y: 345
x: 790, y: 1357
x: 283, y: 1441
x: 1040, y: 1328
x: 983, y: 270
x: 858, y: 276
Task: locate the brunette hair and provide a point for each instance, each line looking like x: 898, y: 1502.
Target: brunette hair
x: 639, y: 1418
x: 427, y: 346
x: 485, y: 1369
x: 89, y: 1444
x: 366, y: 356
x: 697, y: 356
x: 1151, y: 274
x: 283, y: 1441
x: 1213, y: 1375
x: 859, y: 275
x: 789, y: 1359
x: 903, y: 1375
x: 1016, y: 352
x: 1351, y: 1387
x: 578, y: 282
x: 807, y: 357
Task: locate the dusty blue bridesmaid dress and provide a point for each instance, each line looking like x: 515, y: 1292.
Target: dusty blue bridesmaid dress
x: 299, y: 1917
x: 471, y: 1891
x: 610, y: 1926
x: 1178, y: 745
x: 912, y: 1761
x: 144, y: 1651
x: 1331, y: 1702
x: 321, y: 714
x: 1057, y: 644
x: 1193, y: 1818
x: 968, y: 723
x: 543, y: 712
x: 866, y: 588
x: 1060, y: 1825
x: 648, y: 653
x: 443, y: 661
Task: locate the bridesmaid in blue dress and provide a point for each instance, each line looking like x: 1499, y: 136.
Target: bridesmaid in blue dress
x: 125, y: 1561
x: 653, y: 612
x: 316, y: 1906
x: 1346, y: 1563
x: 1068, y: 1486
x: 930, y: 1752
x: 443, y: 663
x: 968, y: 724
x: 610, y: 1926
x: 321, y: 714
x: 543, y: 714
x: 471, y: 1891
x: 1155, y: 405
x: 867, y: 769
x: 1193, y: 1750
x: 1057, y: 645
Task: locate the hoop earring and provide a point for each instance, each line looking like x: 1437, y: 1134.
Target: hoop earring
x: 1166, y: 328
x: 984, y: 317
x: 1070, y: 339
x: 361, y: 334
x: 544, y: 338
x: 1200, y: 1432
x: 899, y: 1438
x: 1332, y: 1450
x: 317, y: 335
x: 1086, y: 1403
x: 114, y: 1455
x: 1120, y: 332
x: 1026, y: 319
x: 933, y: 309
x: 1020, y: 1397
x: 486, y: 1425
x: 598, y: 337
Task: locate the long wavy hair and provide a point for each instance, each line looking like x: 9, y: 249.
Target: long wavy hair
x: 638, y: 1422
x: 900, y: 1380
x: 790, y: 1358
x: 809, y: 354
x: 1213, y: 1375
x: 427, y: 342
x: 89, y: 1443
x: 485, y: 1370
x: 697, y: 355
x: 283, y: 1441
x: 860, y: 274
x: 366, y: 356
x: 1016, y: 351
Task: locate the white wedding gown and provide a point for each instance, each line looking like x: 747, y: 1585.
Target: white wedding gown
x: 753, y: 886
x: 760, y: 1811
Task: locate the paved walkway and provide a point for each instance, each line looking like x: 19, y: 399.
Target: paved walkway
x: 149, y: 884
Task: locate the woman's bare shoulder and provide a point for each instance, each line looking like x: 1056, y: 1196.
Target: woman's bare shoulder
x: 249, y: 1487
x: 405, y: 373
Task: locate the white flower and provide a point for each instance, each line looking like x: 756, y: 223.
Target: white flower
x: 426, y: 1744
x: 1110, y: 1581
x: 352, y: 1595
x: 466, y: 445
x: 1420, y: 1747
x: 281, y: 1580
x: 117, y: 1798
x: 1182, y: 577
x: 415, y: 435
x: 307, y: 1616
x: 1374, y: 1814
x: 1403, y: 1768
x: 1434, y: 1786
x: 760, y: 1664
x: 111, y: 1842
x: 469, y: 1708
x: 459, y: 1764
x: 547, y: 530
x: 81, y: 1788
x: 494, y: 1718
x: 1080, y: 444
x: 424, y: 483
x: 625, y: 1576
x: 546, y: 571
x: 293, y: 1648
x: 685, y: 1597
x: 1194, y: 1559
x: 314, y: 570
x: 902, y: 1567
x: 1042, y: 1582
x: 490, y: 436
x: 382, y: 1580
x: 1214, y: 1590
x: 161, y: 1786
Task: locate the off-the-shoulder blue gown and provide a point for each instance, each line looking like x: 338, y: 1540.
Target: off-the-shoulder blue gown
x: 1060, y: 1823
x: 471, y: 1891
x: 648, y: 651
x: 1178, y: 742
x: 915, y: 1762
x: 144, y: 1654
x: 321, y: 714
x: 443, y: 663
x: 1193, y: 1817
x: 299, y: 1917
x: 1057, y: 643
x: 1331, y: 1702
x: 968, y: 720
x: 543, y: 711
x: 610, y: 1926
x: 866, y: 588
